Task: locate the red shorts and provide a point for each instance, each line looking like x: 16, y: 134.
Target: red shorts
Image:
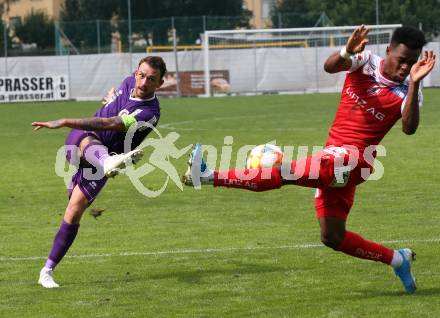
x: 335, y: 200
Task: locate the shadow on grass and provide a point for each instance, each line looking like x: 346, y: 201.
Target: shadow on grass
x: 239, y: 270
x: 421, y: 292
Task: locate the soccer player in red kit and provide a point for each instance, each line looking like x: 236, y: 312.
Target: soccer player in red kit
x: 377, y: 92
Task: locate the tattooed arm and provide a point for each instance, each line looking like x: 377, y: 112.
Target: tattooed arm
x: 92, y: 123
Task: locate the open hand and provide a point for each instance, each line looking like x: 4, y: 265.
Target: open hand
x: 55, y: 124
x: 357, y: 40
x: 422, y: 68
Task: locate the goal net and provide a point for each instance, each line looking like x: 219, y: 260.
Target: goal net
x: 279, y: 60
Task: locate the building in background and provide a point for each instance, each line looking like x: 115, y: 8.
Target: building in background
x: 15, y: 11
x: 261, y: 12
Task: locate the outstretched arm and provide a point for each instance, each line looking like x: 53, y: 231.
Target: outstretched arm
x: 340, y: 61
x: 410, y: 113
x: 92, y: 123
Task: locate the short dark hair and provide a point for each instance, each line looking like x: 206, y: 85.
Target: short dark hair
x: 409, y: 36
x: 155, y: 62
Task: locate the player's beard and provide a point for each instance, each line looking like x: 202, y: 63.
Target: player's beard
x: 142, y: 94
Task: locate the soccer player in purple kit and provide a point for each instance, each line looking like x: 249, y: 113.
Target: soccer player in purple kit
x: 93, y: 139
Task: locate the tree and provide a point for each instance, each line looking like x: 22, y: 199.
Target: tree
x: 85, y: 10
x: 349, y: 12
x: 2, y: 39
x: 412, y: 12
x: 79, y: 21
x: 4, y: 6
x: 188, y: 18
x: 4, y: 12
x: 184, y: 8
x: 294, y: 13
x: 37, y: 28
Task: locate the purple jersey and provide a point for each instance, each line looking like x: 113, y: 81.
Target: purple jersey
x: 144, y: 110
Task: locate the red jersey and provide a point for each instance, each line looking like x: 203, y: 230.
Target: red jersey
x: 370, y: 105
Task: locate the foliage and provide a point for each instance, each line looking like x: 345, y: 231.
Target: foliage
x: 37, y: 28
x: 83, y: 10
x: 151, y: 20
x: 179, y: 8
x: 2, y: 39
x: 348, y: 12
x: 293, y: 13
x: 4, y: 6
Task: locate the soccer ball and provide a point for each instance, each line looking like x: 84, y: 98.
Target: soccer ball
x: 264, y: 156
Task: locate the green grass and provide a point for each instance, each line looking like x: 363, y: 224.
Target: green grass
x: 216, y: 252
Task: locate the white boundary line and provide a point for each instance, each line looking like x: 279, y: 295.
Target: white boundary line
x: 201, y: 251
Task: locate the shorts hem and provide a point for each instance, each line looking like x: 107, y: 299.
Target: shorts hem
x: 332, y: 211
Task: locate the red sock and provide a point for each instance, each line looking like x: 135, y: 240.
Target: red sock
x: 251, y: 179
x: 354, y: 245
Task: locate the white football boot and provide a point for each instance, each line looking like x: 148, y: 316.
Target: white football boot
x: 114, y: 164
x: 197, y: 172
x: 46, y: 278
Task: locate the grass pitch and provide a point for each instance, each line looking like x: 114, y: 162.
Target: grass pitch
x: 216, y: 252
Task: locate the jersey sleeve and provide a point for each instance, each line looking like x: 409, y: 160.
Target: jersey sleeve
x: 125, y: 87
x: 359, y: 60
x: 126, y: 84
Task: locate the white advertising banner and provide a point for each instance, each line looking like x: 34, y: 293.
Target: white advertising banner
x: 33, y: 88
x: 89, y: 77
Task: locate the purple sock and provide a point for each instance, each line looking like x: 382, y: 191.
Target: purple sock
x: 95, y: 153
x: 61, y: 243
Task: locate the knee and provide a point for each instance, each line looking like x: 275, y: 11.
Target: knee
x: 73, y: 214
x: 332, y: 240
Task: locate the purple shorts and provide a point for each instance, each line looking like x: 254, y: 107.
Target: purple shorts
x: 90, y: 188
